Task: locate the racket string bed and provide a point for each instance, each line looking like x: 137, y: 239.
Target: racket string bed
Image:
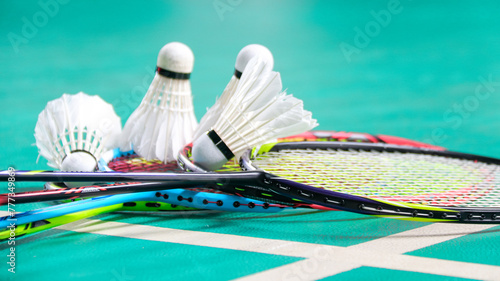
x: 392, y: 176
x: 134, y: 163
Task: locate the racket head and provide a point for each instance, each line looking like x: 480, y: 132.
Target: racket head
x: 384, y: 180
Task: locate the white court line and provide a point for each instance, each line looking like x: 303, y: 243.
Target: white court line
x: 327, y: 256
x: 319, y: 267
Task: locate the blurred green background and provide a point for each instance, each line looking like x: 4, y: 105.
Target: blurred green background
x: 405, y: 68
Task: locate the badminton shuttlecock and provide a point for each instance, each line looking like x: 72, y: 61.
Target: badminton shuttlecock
x: 164, y: 121
x: 74, y: 130
x: 257, y: 113
x: 245, y: 55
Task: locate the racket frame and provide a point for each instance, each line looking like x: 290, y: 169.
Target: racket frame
x: 369, y: 206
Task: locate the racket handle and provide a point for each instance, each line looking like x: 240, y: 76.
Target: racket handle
x: 182, y: 180
x: 125, y: 183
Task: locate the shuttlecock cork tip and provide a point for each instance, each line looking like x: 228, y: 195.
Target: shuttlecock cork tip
x: 207, y: 154
x: 176, y: 57
x: 79, y: 161
x: 250, y: 51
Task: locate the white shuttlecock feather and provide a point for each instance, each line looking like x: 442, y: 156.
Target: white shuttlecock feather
x: 257, y: 113
x: 244, y: 56
x: 164, y: 121
x: 74, y: 130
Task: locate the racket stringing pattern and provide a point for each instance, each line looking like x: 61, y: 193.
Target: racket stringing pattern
x: 390, y: 176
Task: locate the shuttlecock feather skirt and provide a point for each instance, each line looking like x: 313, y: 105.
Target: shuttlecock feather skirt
x: 164, y: 121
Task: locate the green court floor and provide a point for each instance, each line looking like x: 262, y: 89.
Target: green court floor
x: 416, y: 69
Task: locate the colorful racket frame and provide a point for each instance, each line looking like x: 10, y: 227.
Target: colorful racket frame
x: 375, y: 179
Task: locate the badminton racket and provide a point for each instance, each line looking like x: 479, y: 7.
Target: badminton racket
x: 382, y: 180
